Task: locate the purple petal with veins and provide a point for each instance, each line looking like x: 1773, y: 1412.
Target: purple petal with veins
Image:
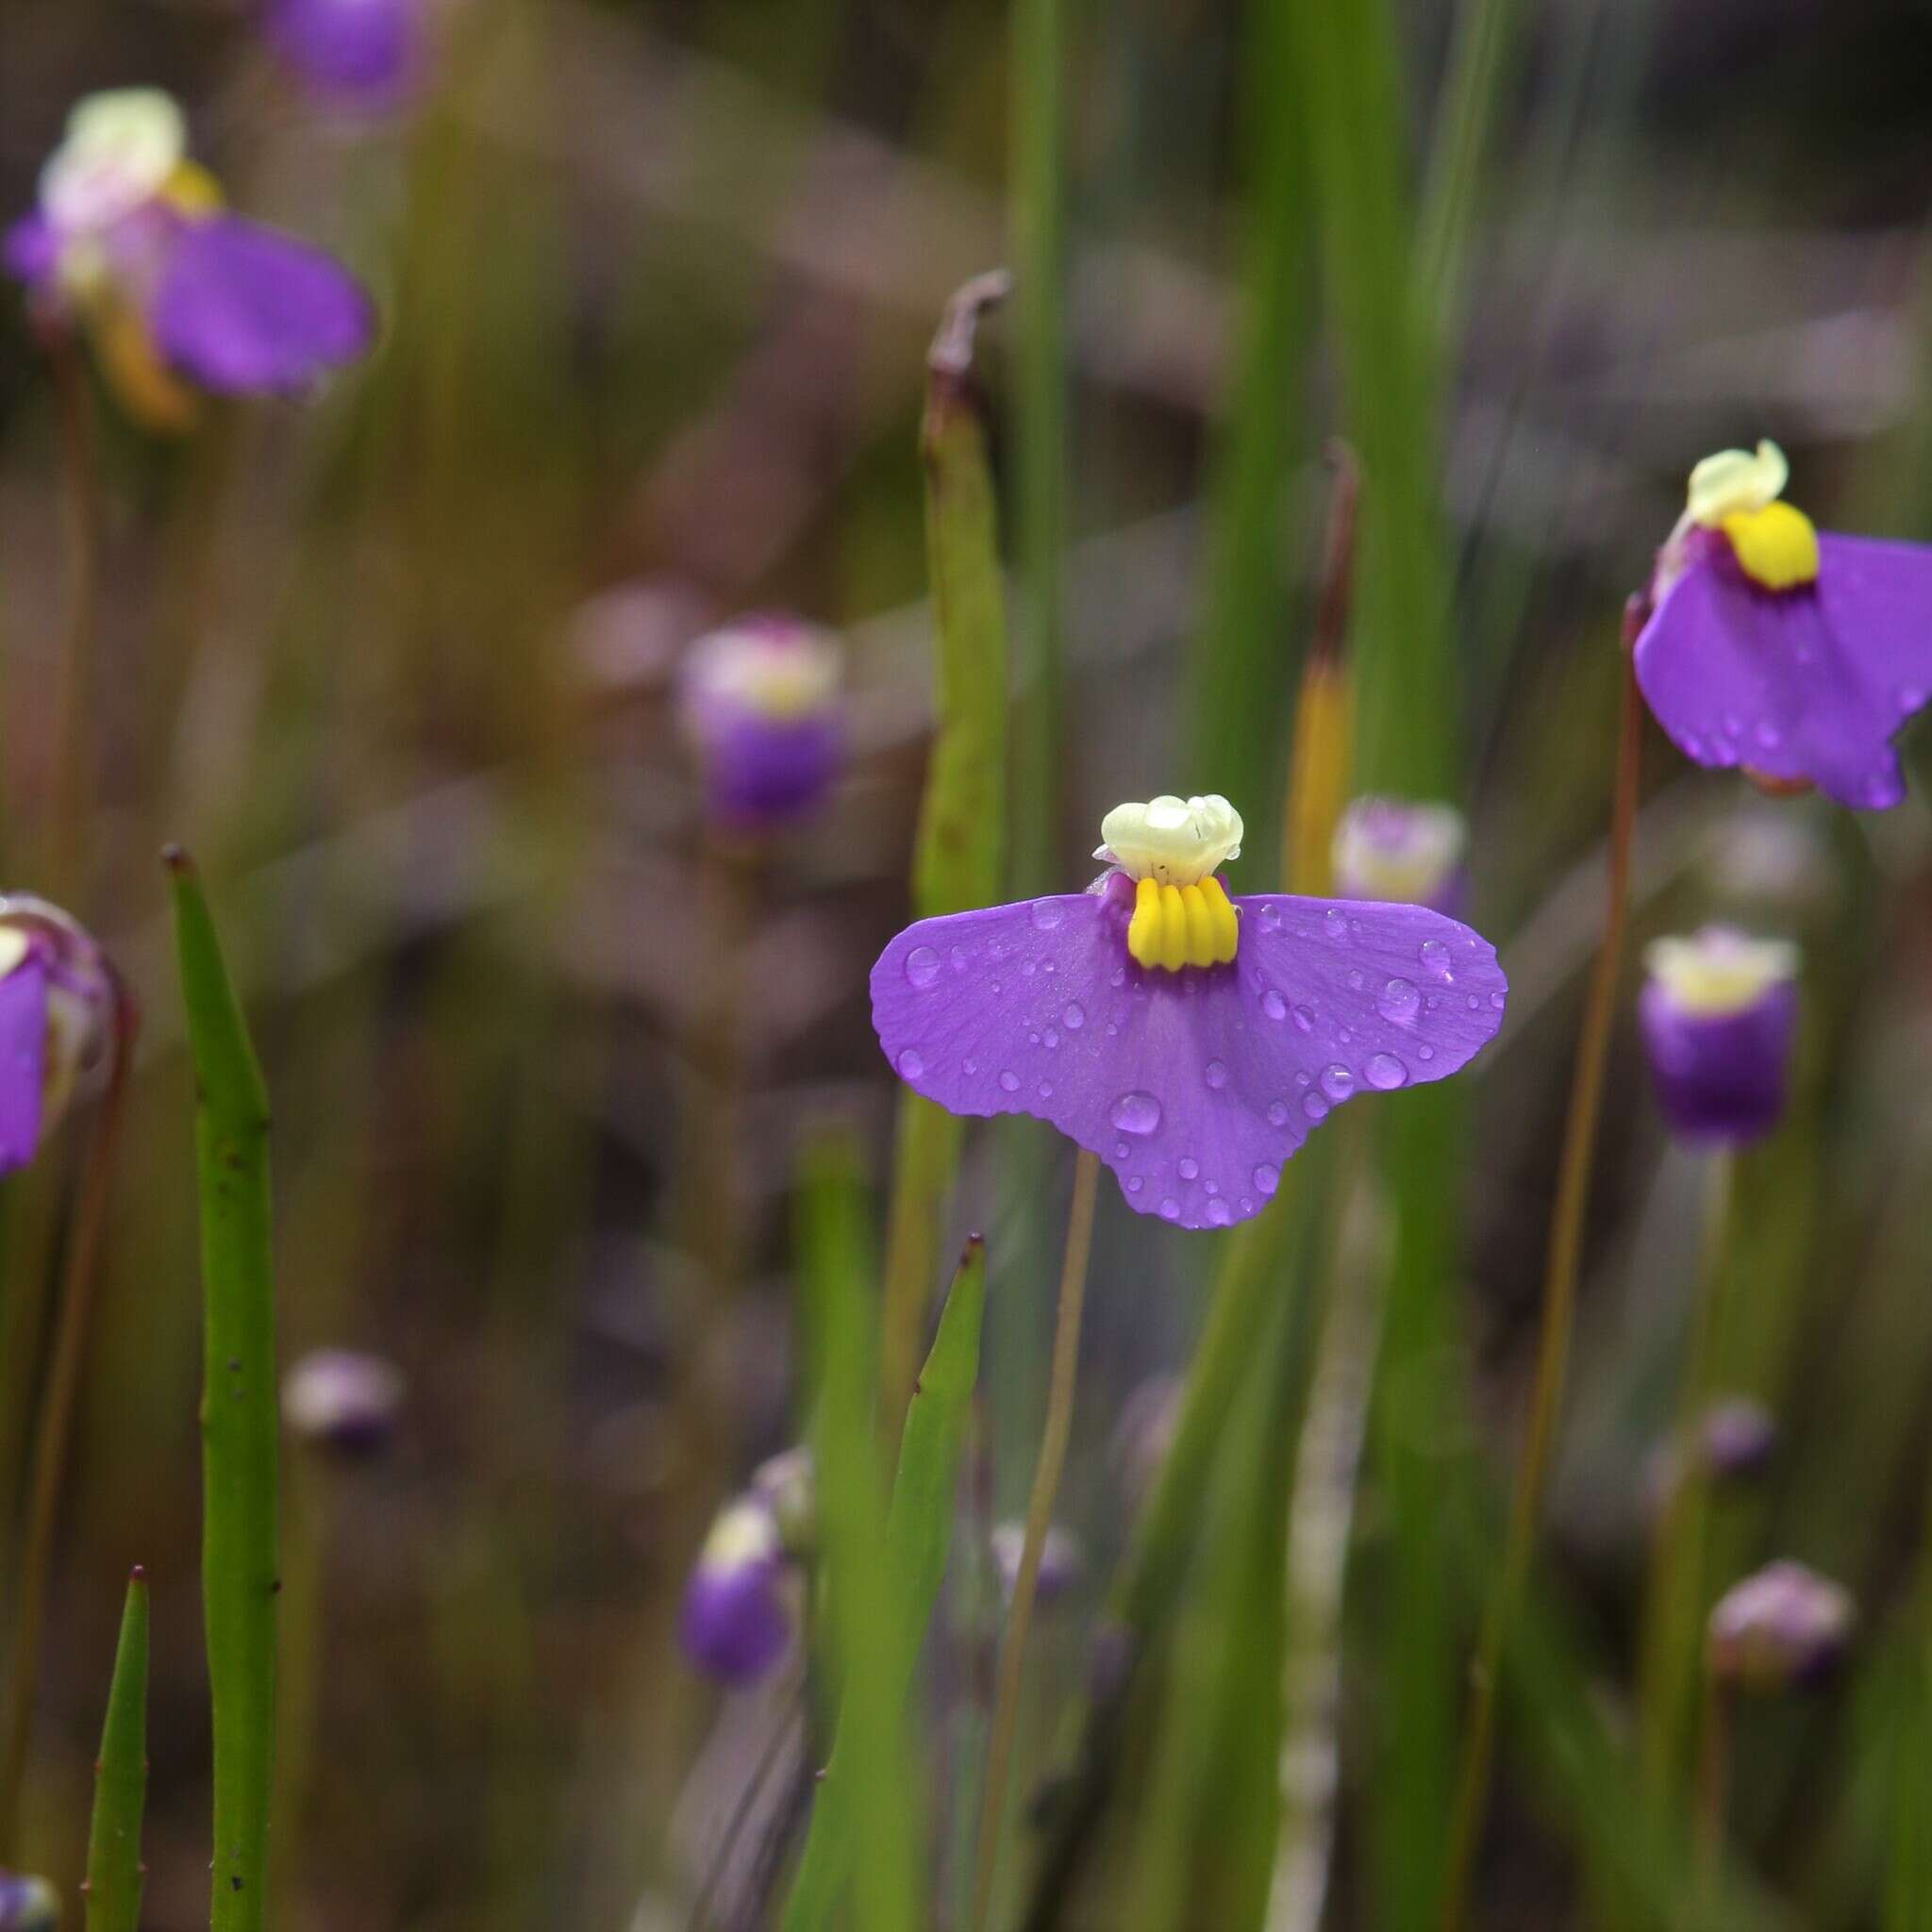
x: 1194, y: 1086
x: 243, y: 309
x: 23, y: 1062
x: 1803, y: 685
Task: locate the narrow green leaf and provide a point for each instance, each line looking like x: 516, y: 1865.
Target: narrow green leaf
x: 114, y: 1871
x: 237, y: 1411
x: 957, y: 853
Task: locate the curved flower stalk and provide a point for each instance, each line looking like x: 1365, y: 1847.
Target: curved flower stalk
x: 130, y: 243
x: 1792, y: 653
x: 1191, y: 1040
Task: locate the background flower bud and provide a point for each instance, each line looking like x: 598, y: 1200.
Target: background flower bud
x: 1784, y: 1627
x: 736, y: 1623
x: 1393, y: 849
x: 1739, y: 1437
x: 342, y: 1400
x: 28, y: 1905
x: 1719, y: 1014
x: 786, y: 1485
x: 1062, y: 1561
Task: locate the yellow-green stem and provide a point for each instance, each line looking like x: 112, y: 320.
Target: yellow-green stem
x: 74, y: 737
x: 1046, y: 1483
x: 1559, y: 1300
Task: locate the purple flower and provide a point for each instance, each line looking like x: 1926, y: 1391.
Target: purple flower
x: 129, y: 241
x: 56, y: 1007
x: 342, y: 1400
x: 761, y: 705
x: 1189, y: 1040
x: 1793, y: 653
x: 1063, y: 1561
x: 736, y: 1623
x: 1739, y: 1437
x: 28, y: 1905
x: 1782, y: 1628
x: 787, y: 1486
x: 1717, y: 1014
x: 357, y: 54
x: 1390, y: 849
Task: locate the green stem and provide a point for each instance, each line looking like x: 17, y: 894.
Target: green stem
x: 239, y: 1419
x: 1559, y: 1298
x: 74, y: 739
x: 56, y: 1430
x: 1046, y: 1483
x: 114, y: 1871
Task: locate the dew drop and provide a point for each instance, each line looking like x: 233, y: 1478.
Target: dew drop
x: 1398, y: 1001
x: 1497, y: 1001
x: 1334, y: 924
x: 1189, y: 1167
x: 1278, y: 1113
x: 1314, y: 1107
x: 1009, y: 1081
x: 1356, y: 979
x: 1027, y: 968
x: 1769, y: 736
x: 1270, y: 918
x: 1425, y: 1053
x: 1052, y: 1038
x: 1338, y: 1083
x: 957, y: 955
x: 1274, y: 1005
x: 1047, y: 913
x: 1134, y: 1184
x: 1218, y: 1214
x: 1045, y: 1089
x: 1074, y: 1017
x: 1118, y: 977
x: 922, y: 967
x: 1210, y: 1187
x: 1911, y: 697
x: 1734, y: 725
x: 1386, y: 1072
x: 1304, y: 1019
x: 1216, y: 1075
x: 1266, y: 1180
x: 1136, y: 1113
x: 1474, y: 1003
x: 1112, y: 1032
x: 911, y: 1064
x: 968, y: 1066
x: 1170, y: 1209
x: 1435, y: 959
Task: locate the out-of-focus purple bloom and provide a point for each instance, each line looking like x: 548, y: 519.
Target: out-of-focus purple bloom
x: 1791, y: 653
x: 56, y: 1009
x: 129, y: 241
x: 344, y: 1400
x: 737, y: 1623
x: 1062, y: 1561
x: 1780, y: 1629
x: 761, y: 704
x: 1393, y: 849
x: 28, y: 1905
x: 367, y: 54
x: 1717, y: 1013
x: 1190, y: 1040
x: 787, y: 1484
x: 1144, y: 1434
x: 1738, y: 1437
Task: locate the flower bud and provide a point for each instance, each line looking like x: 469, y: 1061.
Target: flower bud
x: 57, y: 1011
x: 785, y: 1485
x: 1063, y: 1561
x: 28, y: 1905
x: 1738, y: 1437
x: 1388, y: 848
x: 761, y: 704
x: 1782, y: 1628
x: 1717, y: 1014
x: 344, y: 1401
x: 737, y: 1623
x: 355, y: 54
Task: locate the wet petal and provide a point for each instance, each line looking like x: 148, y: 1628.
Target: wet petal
x: 23, y: 1061
x: 244, y: 310
x: 1807, y: 685
x: 1194, y: 1088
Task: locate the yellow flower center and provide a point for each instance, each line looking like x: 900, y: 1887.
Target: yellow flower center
x: 1775, y: 547
x: 1719, y: 972
x: 1174, y: 926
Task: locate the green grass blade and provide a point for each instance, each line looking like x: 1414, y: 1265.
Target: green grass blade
x: 958, y: 854
x: 114, y: 1871
x: 238, y: 1417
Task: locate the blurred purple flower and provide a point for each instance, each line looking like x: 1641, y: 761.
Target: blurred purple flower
x: 1395, y: 850
x: 344, y: 1401
x: 129, y: 241
x: 1782, y: 1628
x: 787, y: 1486
x: 1738, y: 1437
x: 737, y: 1623
x: 1717, y: 1014
x: 1190, y: 1040
x: 367, y: 54
x: 761, y: 707
x: 1793, y: 654
x: 1062, y: 1561
x: 28, y: 1905
x: 57, y: 1008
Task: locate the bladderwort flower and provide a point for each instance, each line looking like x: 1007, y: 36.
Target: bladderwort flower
x: 1062, y: 1561
x: 737, y: 1617
x: 28, y: 1905
x: 1792, y: 653
x: 1717, y: 1013
x: 58, y: 1009
x: 342, y: 1400
x: 1785, y: 1627
x: 367, y: 56
x: 1394, y: 849
x: 762, y: 707
x: 130, y: 242
x: 1191, y: 1040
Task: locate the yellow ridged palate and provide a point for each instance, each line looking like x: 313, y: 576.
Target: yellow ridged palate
x: 1775, y: 547
x: 1176, y: 927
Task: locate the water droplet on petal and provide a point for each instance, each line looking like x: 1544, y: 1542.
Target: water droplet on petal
x: 1398, y: 1001
x: 1218, y: 1214
x: 957, y: 955
x: 1074, y: 1017
x: 1134, y: 1184
x: 1497, y: 1001
x: 1270, y: 918
x: 1314, y: 1107
x: 1047, y: 913
x: 1170, y: 1209
x: 911, y: 1064
x: 1304, y: 1019
x: 1266, y: 1180
x: 1769, y: 736
x: 1136, y: 1113
x: 1334, y: 924
x: 1274, y: 1005
x: 1356, y: 979
x: 1435, y: 959
x: 1011, y: 1081
x: 1425, y: 1053
x: 1338, y: 1083
x: 1045, y: 1089
x: 1052, y: 1038
x: 1118, y: 977
x: 1386, y: 1072
x: 1189, y: 1167
x: 1028, y: 968
x: 1216, y: 1075
x: 968, y: 1066
x: 1278, y: 1113
x: 922, y: 967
